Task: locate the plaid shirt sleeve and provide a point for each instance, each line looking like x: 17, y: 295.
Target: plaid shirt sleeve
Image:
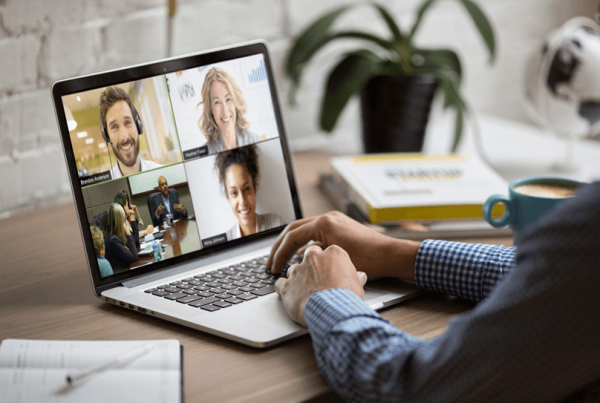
x: 341, y: 325
x: 465, y: 270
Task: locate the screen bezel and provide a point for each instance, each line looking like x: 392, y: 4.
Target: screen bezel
x: 139, y: 72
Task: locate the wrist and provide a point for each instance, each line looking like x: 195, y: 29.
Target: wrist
x: 400, y: 257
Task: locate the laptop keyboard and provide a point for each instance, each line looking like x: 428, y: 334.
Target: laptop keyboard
x: 222, y: 288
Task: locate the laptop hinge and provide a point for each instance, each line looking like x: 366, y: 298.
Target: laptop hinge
x: 196, y: 263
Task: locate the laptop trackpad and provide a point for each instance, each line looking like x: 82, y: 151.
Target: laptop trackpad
x: 371, y: 294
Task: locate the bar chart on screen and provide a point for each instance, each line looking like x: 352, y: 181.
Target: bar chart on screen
x: 256, y: 73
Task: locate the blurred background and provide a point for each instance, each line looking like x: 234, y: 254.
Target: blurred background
x: 43, y: 41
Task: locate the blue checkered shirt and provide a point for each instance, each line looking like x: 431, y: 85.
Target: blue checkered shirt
x: 532, y: 338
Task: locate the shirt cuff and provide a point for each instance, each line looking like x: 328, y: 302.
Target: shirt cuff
x: 465, y: 270
x: 325, y: 309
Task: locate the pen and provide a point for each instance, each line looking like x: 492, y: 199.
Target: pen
x: 122, y: 359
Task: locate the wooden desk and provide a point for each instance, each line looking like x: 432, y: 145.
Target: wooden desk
x: 46, y: 294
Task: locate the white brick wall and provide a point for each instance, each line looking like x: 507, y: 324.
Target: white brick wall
x: 42, y: 41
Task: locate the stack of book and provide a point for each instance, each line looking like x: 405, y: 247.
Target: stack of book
x: 416, y: 196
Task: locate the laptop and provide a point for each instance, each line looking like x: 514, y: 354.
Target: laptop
x: 182, y: 180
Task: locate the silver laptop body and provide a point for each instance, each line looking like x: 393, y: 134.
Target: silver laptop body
x: 184, y: 249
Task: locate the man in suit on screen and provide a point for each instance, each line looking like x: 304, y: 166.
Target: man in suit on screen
x: 167, y: 202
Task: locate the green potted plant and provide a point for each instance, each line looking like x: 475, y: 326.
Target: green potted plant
x: 395, y: 78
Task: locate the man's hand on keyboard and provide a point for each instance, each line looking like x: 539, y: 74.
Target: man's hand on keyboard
x: 320, y: 270
x: 371, y: 252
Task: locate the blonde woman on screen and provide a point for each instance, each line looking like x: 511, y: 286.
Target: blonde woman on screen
x: 238, y: 174
x: 120, y: 249
x: 222, y: 120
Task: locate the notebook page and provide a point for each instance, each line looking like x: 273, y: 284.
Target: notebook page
x: 15, y: 353
x: 49, y: 385
x: 36, y: 371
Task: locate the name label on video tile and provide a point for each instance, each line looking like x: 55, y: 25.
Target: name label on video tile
x: 214, y: 240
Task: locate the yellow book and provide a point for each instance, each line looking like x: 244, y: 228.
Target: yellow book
x: 419, y: 187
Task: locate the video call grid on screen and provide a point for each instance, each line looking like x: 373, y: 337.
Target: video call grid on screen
x: 172, y: 145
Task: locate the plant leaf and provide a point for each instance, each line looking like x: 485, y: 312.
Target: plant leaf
x: 458, y: 128
x: 299, y: 69
x: 389, y: 20
x: 308, y: 42
x: 347, y: 79
x: 483, y: 25
x: 426, y: 4
x: 435, y: 60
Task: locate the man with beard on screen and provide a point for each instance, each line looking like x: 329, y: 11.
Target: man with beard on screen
x: 121, y: 127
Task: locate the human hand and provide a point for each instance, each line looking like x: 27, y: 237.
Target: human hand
x: 129, y: 213
x: 135, y: 210
x: 178, y: 207
x: 371, y: 252
x: 149, y: 230
x: 159, y: 210
x: 319, y: 270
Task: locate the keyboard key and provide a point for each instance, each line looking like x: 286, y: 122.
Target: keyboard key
x: 246, y: 297
x: 160, y: 293
x: 222, y: 296
x: 175, y: 296
x: 205, y: 294
x: 204, y: 301
x: 202, y: 288
x: 188, y: 279
x: 257, y: 285
x: 210, y: 308
x: 188, y: 299
x: 262, y: 276
x: 175, y: 283
x: 236, y: 277
x: 225, y: 281
x: 172, y: 289
x: 217, y: 275
x: 184, y: 286
x: 268, y: 281
x: 190, y: 292
x: 251, y: 280
x: 239, y: 283
x: 222, y: 304
x: 246, y: 289
x: 234, y: 300
x: 228, y: 287
x: 151, y: 290
x: 264, y: 291
x: 195, y: 282
x: 212, y: 284
x: 234, y: 292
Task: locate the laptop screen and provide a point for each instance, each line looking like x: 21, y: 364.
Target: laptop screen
x: 167, y: 166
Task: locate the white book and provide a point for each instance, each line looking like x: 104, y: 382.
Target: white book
x: 420, y: 187
x: 36, y: 371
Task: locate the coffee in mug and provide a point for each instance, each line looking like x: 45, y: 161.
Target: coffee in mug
x: 528, y: 200
x: 544, y: 190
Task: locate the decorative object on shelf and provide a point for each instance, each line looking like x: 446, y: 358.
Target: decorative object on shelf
x: 562, y: 84
x: 396, y: 85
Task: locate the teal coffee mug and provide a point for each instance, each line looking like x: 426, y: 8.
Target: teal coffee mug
x: 529, y: 199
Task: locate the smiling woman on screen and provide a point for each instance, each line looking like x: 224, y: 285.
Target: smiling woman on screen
x: 223, y: 121
x: 238, y: 174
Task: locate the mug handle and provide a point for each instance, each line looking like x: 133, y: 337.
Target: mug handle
x: 509, y: 211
